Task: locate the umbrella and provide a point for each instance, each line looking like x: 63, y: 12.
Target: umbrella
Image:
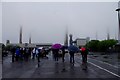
x: 40, y: 47
x: 56, y: 46
x: 73, y: 48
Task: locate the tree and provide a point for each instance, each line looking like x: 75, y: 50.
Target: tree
x: 106, y: 44
x: 93, y: 45
x: 102, y: 46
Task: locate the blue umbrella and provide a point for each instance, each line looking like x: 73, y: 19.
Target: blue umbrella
x: 73, y: 48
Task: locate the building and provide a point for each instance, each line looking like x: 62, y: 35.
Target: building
x: 81, y: 41
x: 32, y: 45
x: 43, y: 45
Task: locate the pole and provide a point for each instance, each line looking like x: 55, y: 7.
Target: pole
x: 119, y: 27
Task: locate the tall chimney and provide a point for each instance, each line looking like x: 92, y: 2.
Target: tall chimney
x: 20, y: 37
x: 66, y: 37
x: 30, y: 39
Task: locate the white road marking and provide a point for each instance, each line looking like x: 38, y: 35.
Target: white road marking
x: 104, y: 69
x: 105, y: 63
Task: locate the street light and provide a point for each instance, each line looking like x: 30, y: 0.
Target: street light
x: 119, y: 25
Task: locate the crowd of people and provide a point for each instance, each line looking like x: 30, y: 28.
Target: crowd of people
x: 27, y: 53
x: 37, y: 53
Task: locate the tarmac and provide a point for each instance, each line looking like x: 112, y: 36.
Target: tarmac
x: 48, y: 68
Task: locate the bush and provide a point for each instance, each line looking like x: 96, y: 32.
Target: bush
x: 100, y: 46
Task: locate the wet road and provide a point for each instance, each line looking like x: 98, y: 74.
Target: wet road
x: 48, y: 68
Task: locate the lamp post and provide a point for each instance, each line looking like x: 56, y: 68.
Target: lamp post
x: 119, y: 24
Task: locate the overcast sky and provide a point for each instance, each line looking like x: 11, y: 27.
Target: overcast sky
x: 46, y: 22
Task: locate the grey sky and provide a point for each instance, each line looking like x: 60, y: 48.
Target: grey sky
x: 47, y: 21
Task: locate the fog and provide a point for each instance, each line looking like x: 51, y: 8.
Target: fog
x: 46, y: 22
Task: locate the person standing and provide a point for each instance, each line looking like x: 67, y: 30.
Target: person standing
x: 56, y: 54
x: 42, y: 52
x: 26, y: 54
x: 13, y: 54
x: 53, y: 53
x: 21, y: 53
x: 84, y: 53
x: 63, y: 54
x: 71, y: 56
x: 33, y: 53
x: 72, y: 50
x: 38, y: 54
x: 17, y: 54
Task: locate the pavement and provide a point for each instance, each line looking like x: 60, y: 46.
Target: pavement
x: 48, y: 68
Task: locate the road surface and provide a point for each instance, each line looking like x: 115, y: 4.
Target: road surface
x: 48, y: 68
